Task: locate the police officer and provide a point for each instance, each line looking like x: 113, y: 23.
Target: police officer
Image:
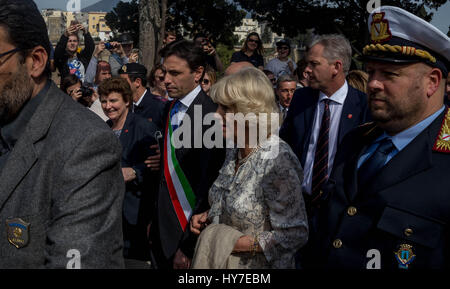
x: 387, y: 203
x: 145, y: 103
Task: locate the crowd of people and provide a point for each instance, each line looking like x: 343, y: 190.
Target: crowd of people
x: 325, y: 165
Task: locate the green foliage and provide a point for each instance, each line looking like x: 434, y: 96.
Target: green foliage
x: 125, y: 18
x: 224, y: 52
x: 216, y: 18
x: 293, y: 17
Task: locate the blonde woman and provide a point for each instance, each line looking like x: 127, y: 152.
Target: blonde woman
x: 257, y: 217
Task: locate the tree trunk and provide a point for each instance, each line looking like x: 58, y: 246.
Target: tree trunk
x: 162, y: 28
x: 149, y: 28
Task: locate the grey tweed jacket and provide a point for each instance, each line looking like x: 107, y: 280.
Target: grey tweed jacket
x: 61, y: 191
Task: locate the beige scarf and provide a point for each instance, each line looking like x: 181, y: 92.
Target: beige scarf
x: 214, y: 247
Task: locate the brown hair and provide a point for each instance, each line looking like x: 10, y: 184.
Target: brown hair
x: 259, y: 50
x: 211, y: 74
x: 151, y: 77
x: 116, y: 84
x: 102, y: 66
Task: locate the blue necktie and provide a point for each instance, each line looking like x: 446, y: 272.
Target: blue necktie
x: 375, y: 162
x: 175, y: 109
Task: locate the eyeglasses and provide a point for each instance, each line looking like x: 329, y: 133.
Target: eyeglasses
x: 283, y: 48
x: 9, y: 52
x: 205, y: 81
x: 253, y: 40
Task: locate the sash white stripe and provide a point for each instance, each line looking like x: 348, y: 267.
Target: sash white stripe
x: 176, y: 181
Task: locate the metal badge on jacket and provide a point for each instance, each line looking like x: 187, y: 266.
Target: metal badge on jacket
x: 18, y: 232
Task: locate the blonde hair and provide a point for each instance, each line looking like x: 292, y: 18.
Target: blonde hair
x: 358, y: 79
x: 247, y: 91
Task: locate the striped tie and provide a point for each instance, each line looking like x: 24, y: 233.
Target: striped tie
x: 320, y: 169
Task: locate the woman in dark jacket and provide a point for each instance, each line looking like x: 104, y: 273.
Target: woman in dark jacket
x: 252, y: 51
x: 136, y: 134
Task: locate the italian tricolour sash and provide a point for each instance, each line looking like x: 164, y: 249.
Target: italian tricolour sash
x: 181, y: 194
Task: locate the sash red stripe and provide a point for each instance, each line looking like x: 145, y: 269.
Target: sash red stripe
x: 173, y: 195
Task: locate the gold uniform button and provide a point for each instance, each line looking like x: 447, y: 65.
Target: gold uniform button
x: 351, y: 211
x: 408, y: 232
x: 337, y: 243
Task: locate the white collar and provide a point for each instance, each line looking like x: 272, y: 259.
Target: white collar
x: 140, y: 99
x: 189, y: 98
x: 339, y: 96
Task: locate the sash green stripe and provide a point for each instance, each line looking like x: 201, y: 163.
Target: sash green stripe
x: 190, y: 196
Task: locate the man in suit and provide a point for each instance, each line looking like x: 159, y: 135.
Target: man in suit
x: 286, y: 86
x: 189, y: 171
x: 388, y: 194
x: 61, y: 187
x: 329, y: 104
x: 145, y: 104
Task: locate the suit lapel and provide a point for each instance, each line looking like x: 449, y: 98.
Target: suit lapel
x: 350, y: 111
x: 24, y: 155
x: 309, y: 114
x: 351, y: 167
x: 125, y: 138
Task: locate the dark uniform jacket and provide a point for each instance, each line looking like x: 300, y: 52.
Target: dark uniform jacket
x: 137, y: 135
x: 151, y: 108
x: 406, y: 203
x: 201, y: 167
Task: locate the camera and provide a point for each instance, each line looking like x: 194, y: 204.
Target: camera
x: 108, y: 45
x: 86, y: 91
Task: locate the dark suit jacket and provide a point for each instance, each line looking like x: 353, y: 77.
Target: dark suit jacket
x: 63, y: 177
x: 151, y: 108
x: 137, y: 135
x: 201, y: 167
x: 297, y: 127
x: 410, y: 192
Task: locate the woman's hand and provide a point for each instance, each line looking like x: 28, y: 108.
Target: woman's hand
x: 129, y: 174
x: 199, y: 222
x: 153, y: 161
x: 246, y: 244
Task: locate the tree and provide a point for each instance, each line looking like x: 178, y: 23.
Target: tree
x: 149, y: 31
x: 145, y: 20
x: 125, y: 18
x: 293, y: 17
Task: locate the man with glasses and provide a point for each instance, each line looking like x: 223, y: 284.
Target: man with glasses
x: 282, y: 64
x: 61, y: 187
x: 286, y: 86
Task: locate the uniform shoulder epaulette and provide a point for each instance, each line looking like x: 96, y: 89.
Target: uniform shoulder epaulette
x: 367, y: 128
x: 442, y: 143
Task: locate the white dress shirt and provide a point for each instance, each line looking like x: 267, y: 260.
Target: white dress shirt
x: 336, y: 104
x: 140, y: 99
x: 186, y: 102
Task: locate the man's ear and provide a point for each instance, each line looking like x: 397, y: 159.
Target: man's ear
x: 338, y: 66
x: 434, y: 80
x: 198, y: 73
x: 37, y: 61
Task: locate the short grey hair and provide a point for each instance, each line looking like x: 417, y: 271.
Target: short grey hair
x: 285, y: 78
x: 336, y: 47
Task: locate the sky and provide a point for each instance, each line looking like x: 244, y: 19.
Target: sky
x: 441, y: 17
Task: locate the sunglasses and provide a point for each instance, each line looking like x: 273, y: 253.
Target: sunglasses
x: 254, y: 40
x: 205, y: 81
